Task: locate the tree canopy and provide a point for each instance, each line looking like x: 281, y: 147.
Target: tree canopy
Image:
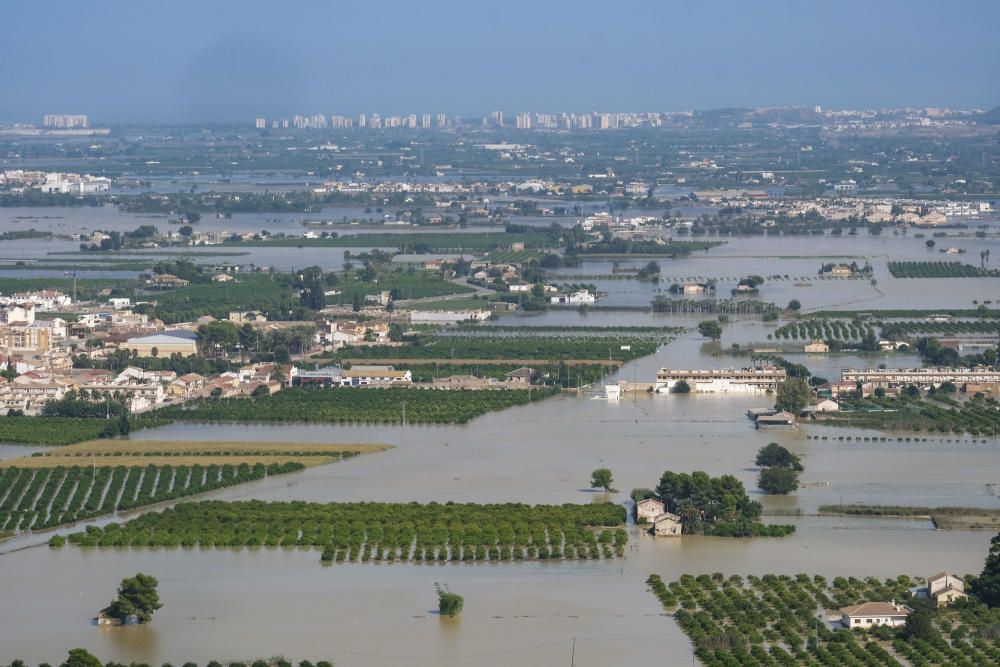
x: 710, y: 329
x: 793, y: 395
x: 137, y: 597
x: 601, y: 478
x: 774, y: 454
x: 699, y: 499
x: 986, y: 586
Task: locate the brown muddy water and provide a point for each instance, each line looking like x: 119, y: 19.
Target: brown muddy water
x: 244, y: 604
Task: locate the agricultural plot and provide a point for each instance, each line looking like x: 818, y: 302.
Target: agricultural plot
x: 829, y: 330
x: 352, y: 532
x: 941, y: 414
x: 424, y: 242
x: 49, y: 430
x: 775, y: 621
x: 37, y: 498
x: 104, y: 476
x: 191, y: 452
x: 514, y: 256
x: 939, y: 270
x: 484, y: 344
x: 919, y: 329
x: 353, y: 405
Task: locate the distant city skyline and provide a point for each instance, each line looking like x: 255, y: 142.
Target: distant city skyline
x: 227, y: 61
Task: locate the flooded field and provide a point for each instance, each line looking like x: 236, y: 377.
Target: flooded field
x: 243, y: 604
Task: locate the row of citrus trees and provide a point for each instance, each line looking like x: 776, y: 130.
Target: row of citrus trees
x: 40, y: 498
x: 896, y: 330
x: 348, y: 406
x: 823, y: 329
x: 939, y: 270
x: 577, y: 345
x: 979, y: 416
x: 363, y: 532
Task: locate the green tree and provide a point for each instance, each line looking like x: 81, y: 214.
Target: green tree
x: 601, y: 478
x: 449, y: 604
x: 774, y: 454
x: 986, y: 586
x: 681, y: 387
x: 778, y: 480
x: 710, y: 329
x: 794, y: 305
x: 793, y: 395
x: 137, y: 597
x: 930, y: 243
x: 80, y: 657
x: 920, y: 623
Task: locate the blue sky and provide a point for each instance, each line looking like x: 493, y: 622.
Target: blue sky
x: 220, y: 60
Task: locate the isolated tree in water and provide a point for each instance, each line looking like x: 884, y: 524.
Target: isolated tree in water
x: 137, y: 597
x: 601, y: 478
x: 774, y: 454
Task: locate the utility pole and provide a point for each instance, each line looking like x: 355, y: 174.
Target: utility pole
x: 572, y: 655
x: 403, y: 403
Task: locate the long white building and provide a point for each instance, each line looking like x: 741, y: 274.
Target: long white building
x: 722, y: 381
x: 921, y: 377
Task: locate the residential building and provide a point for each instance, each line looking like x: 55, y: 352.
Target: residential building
x: 871, y: 614
x: 816, y: 347
x: 366, y: 376
x: 690, y: 289
x: 580, y: 298
x: 245, y: 316
x: 667, y: 525
x: 921, y: 377
x: 944, y: 588
x: 523, y: 375
x: 167, y: 281
x: 746, y: 380
x: 44, y: 300
x: 648, y: 509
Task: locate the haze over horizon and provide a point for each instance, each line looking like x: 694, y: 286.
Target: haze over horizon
x: 229, y: 61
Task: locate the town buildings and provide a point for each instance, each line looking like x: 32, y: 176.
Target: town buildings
x: 745, y: 380
x: 920, y: 377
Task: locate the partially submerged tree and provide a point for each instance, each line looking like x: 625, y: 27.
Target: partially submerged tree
x: 137, y: 597
x: 777, y: 480
x: 449, y: 604
x: 793, y: 395
x: 601, y: 478
x: 774, y: 454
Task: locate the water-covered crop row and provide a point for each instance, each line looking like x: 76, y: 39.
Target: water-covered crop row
x: 918, y: 329
x: 783, y: 621
x: 824, y: 329
x: 348, y: 406
x: 40, y: 498
x: 382, y: 531
x: 943, y: 414
x: 940, y: 270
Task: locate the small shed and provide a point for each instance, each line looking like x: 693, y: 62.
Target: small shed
x: 783, y: 418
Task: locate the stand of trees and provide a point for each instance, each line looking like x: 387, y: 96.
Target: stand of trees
x: 137, y: 599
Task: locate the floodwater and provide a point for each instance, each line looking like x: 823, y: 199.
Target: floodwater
x: 244, y: 604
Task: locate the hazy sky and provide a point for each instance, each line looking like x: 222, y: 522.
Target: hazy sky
x: 215, y: 60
